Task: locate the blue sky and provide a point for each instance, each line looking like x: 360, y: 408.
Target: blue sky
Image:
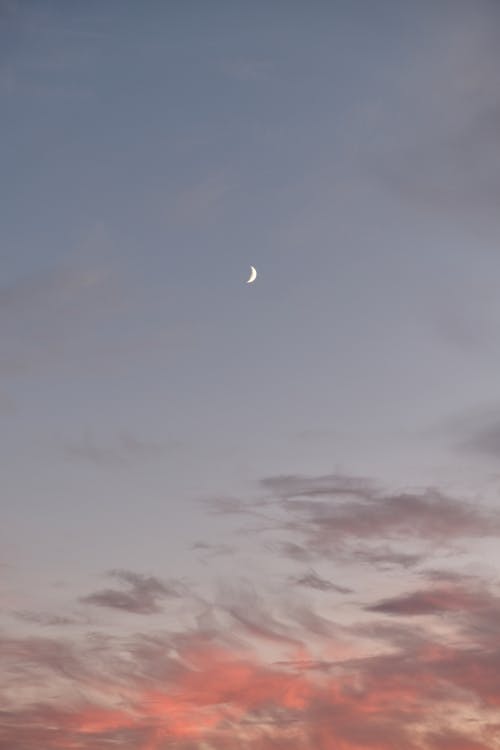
x: 152, y: 157
x: 150, y: 153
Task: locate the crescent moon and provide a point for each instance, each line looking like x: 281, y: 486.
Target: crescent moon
x: 253, y: 275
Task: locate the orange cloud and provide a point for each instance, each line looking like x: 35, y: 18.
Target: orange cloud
x: 216, y: 697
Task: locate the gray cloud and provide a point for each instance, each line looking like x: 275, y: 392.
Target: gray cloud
x: 226, y: 505
x: 438, y: 575
x: 470, y: 604
x: 330, y: 516
x: 374, y: 700
x: 430, y: 602
x: 47, y: 619
x: 312, y: 580
x: 385, y: 556
x: 330, y: 485
x: 141, y: 597
x: 352, y: 520
x: 294, y: 551
x: 252, y: 615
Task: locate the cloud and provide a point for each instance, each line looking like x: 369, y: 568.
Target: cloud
x: 312, y: 580
x: 453, y: 741
x: 353, y: 520
x: 46, y: 619
x: 195, y: 691
x: 435, y: 601
x: 259, y: 668
x: 265, y: 671
x: 347, y: 519
x: 141, y: 597
x: 384, y: 557
x: 469, y: 605
x: 443, y: 576
x: 252, y: 616
x: 294, y: 551
x: 329, y: 485
x: 226, y: 505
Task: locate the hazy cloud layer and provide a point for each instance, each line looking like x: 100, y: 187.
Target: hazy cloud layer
x: 260, y: 666
x: 207, y: 687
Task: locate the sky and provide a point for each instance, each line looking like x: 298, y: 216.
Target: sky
x: 259, y: 516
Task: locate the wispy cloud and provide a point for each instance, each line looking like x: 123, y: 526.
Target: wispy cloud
x: 251, y: 615
x: 312, y: 580
x: 258, y: 666
x: 385, y: 556
x: 47, y: 619
x: 435, y: 601
x: 197, y: 689
x: 142, y: 594
x: 352, y: 519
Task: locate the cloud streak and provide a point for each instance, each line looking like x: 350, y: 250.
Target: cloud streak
x: 350, y: 519
x: 141, y: 596
x: 312, y: 580
x: 260, y: 666
x: 263, y: 669
x: 196, y: 689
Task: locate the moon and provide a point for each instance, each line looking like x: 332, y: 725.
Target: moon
x: 253, y: 275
